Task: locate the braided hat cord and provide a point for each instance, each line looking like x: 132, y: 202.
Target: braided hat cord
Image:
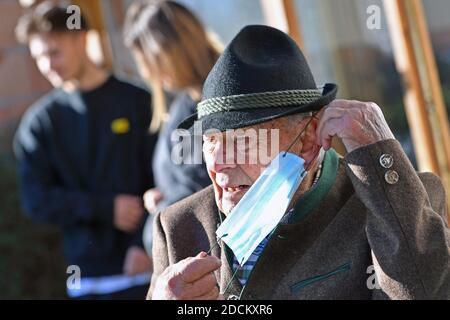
x: 257, y: 100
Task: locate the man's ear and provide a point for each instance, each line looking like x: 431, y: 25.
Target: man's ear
x: 310, y: 148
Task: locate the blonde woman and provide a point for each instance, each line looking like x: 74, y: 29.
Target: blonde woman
x: 174, y: 53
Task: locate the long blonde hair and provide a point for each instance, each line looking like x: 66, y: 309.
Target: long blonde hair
x: 172, y: 41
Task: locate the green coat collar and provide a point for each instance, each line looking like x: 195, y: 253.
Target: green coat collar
x: 314, y: 196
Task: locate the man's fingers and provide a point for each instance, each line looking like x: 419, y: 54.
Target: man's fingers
x: 190, y: 278
x: 196, y: 268
x: 331, y: 128
x: 135, y: 203
x: 158, y: 196
x: 127, y: 224
x: 202, y: 286
x: 322, y: 130
x: 131, y: 201
x: 135, y: 214
x: 128, y: 227
x: 131, y: 217
x: 333, y: 111
x: 213, y: 294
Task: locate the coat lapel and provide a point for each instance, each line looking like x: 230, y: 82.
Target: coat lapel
x: 226, y: 274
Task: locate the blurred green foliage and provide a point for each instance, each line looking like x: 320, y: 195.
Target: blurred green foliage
x: 31, y: 261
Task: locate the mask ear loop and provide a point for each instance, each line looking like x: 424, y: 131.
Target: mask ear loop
x: 216, y: 244
x: 232, y: 277
x: 210, y: 251
x: 313, y: 116
x: 305, y: 171
x: 234, y: 273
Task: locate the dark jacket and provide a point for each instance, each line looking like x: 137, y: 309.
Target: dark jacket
x: 178, y: 181
x: 76, y: 152
x: 361, y: 223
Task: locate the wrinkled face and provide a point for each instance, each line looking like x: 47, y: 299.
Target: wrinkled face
x: 236, y: 158
x: 59, y: 56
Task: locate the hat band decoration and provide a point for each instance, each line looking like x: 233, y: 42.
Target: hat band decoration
x: 257, y: 100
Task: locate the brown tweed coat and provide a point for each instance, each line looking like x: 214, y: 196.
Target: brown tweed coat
x: 367, y: 221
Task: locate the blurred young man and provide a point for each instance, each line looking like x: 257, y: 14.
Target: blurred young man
x: 84, y: 153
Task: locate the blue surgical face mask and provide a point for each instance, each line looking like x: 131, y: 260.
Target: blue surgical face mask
x: 263, y: 205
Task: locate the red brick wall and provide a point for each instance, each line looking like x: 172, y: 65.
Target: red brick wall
x: 20, y: 81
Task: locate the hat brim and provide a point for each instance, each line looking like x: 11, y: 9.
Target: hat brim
x: 227, y: 120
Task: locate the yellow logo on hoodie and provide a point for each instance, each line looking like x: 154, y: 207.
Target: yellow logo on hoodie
x: 120, y: 126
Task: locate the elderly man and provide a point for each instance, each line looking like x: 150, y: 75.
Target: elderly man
x: 341, y: 219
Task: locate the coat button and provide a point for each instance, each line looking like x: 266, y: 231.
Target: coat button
x: 391, y: 177
x: 386, y: 160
